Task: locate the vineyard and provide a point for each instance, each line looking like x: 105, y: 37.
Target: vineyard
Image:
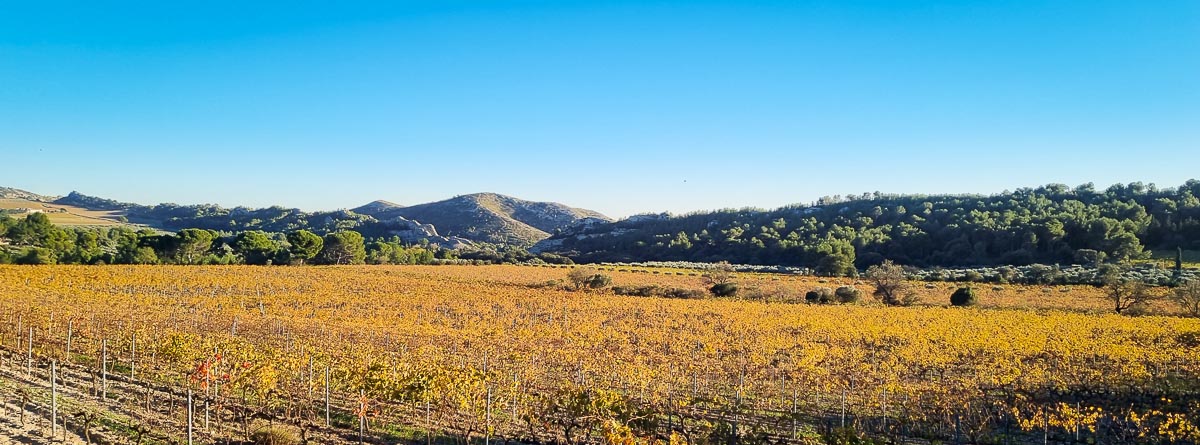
x: 489, y: 354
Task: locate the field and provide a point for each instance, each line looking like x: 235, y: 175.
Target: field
x: 65, y: 215
x: 481, y: 354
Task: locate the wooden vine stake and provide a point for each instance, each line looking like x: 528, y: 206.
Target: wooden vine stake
x: 29, y: 354
x: 327, y: 424
x: 190, y: 410
x: 132, y: 355
x: 53, y: 398
x: 362, y: 414
x: 104, y: 369
x: 70, y: 336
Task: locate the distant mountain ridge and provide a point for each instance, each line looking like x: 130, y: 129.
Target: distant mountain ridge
x: 12, y: 193
x: 490, y: 217
x: 374, y: 207
x: 454, y: 222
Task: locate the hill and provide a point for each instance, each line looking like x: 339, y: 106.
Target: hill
x: 490, y: 217
x: 270, y: 219
x: 1054, y: 224
x: 19, y: 203
x: 482, y: 217
x: 375, y: 207
x: 12, y: 193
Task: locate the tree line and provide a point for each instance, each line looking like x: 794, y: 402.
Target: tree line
x: 35, y: 240
x: 1052, y: 224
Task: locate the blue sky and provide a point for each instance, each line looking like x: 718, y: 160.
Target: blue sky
x: 622, y: 107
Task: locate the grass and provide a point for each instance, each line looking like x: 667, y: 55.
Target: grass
x: 391, y: 432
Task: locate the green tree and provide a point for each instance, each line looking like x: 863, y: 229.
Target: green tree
x: 681, y: 242
x: 37, y: 256
x: 304, y: 245
x: 255, y: 247
x: 836, y: 257
x: 32, y: 230
x: 128, y: 246
x: 836, y: 265
x: 87, y: 249
x: 61, y: 242
x: 6, y: 223
x: 144, y: 255
x: 345, y: 247
x: 193, y: 244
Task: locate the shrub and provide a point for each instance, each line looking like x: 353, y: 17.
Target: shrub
x: 551, y: 258
x: 847, y: 294
x: 598, y: 281
x: 588, y: 278
x: 548, y: 284
x: 724, y: 289
x: 1187, y: 296
x: 656, y: 291
x: 964, y: 296
x: 274, y: 435
x: 820, y: 295
x: 720, y: 273
x: 690, y: 294
x: 637, y: 291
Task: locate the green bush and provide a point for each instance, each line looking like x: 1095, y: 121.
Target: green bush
x: 689, y: 294
x: 847, y: 294
x: 656, y: 291
x: 551, y: 258
x: 599, y: 281
x: 637, y: 291
x: 820, y: 295
x: 724, y: 289
x: 964, y: 296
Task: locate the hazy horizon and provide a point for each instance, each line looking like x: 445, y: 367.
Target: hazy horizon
x: 622, y: 108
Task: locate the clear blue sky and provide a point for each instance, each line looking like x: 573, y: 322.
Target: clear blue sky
x: 622, y: 107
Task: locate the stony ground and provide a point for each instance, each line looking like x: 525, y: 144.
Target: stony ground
x: 35, y: 430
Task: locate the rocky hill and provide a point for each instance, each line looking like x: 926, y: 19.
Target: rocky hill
x: 376, y: 207
x: 12, y: 193
x: 455, y: 222
x: 490, y: 217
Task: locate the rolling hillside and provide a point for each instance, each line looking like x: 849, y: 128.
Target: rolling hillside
x: 19, y: 203
x: 481, y: 217
x: 489, y: 217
